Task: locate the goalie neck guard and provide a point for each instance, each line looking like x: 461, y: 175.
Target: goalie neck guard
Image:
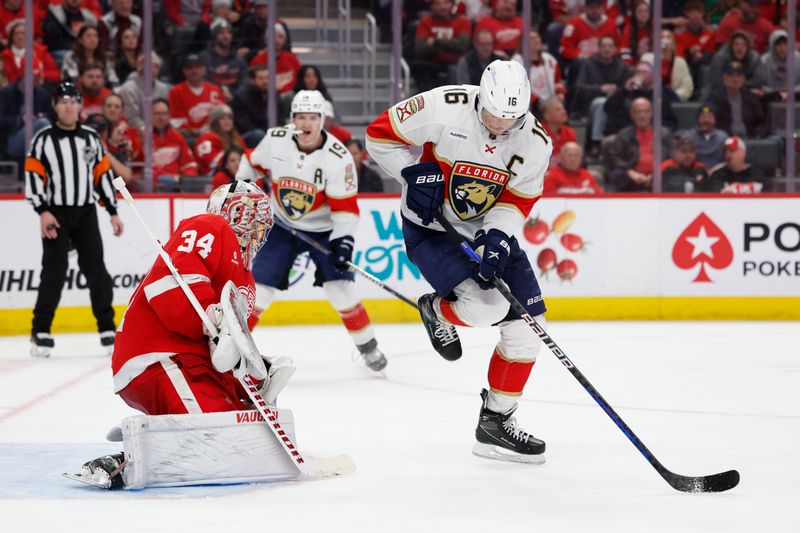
x: 246, y: 209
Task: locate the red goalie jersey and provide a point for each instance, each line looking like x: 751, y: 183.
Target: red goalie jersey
x: 160, y: 322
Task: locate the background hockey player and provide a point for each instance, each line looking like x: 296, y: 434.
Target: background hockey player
x: 483, y: 164
x: 164, y: 362
x: 315, y: 191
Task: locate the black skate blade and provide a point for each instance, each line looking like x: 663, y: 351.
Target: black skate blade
x: 106, y: 485
x: 713, y: 483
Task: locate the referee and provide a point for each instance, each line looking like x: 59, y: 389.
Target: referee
x: 66, y: 172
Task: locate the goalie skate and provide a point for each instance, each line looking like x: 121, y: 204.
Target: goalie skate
x: 499, y: 438
x: 104, y: 472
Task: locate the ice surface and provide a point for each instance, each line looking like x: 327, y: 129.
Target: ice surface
x: 703, y: 396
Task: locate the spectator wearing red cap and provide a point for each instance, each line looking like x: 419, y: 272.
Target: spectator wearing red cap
x: 683, y: 173
x: 582, y: 33
x: 506, y: 27
x: 555, y: 118
x: 736, y: 175
x: 568, y: 177
x: 746, y: 18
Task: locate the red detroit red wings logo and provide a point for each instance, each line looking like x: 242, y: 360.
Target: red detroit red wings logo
x: 702, y: 242
x: 248, y: 294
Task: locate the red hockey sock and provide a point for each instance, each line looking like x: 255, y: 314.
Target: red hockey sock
x: 355, y: 319
x: 506, y: 376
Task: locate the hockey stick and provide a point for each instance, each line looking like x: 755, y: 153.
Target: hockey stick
x: 713, y: 483
x: 321, y: 248
x: 270, y: 417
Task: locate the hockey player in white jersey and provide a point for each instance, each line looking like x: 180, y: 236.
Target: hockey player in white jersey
x: 482, y: 166
x: 315, y: 190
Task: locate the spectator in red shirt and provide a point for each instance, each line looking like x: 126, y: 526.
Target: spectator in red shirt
x: 746, y: 18
x: 113, y: 111
x: 13, y: 10
x: 44, y: 66
x: 683, y: 173
x: 543, y: 72
x: 172, y: 157
x: 221, y: 136
x: 286, y: 63
x: 696, y: 42
x: 191, y: 101
x: 637, y: 33
x: 582, y: 33
x: 228, y: 165
x: 506, y: 27
x: 336, y: 130
x: 561, y: 11
x: 630, y: 154
x: 93, y: 88
x: 568, y: 177
x: 555, y: 118
x: 441, y: 40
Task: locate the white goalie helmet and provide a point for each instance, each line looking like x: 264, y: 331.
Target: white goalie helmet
x: 505, y: 91
x: 308, y: 102
x: 246, y: 209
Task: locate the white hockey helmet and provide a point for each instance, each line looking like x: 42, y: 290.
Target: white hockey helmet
x: 246, y: 209
x: 308, y: 102
x: 505, y: 91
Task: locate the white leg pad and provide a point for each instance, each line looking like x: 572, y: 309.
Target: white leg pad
x: 518, y: 342
x: 341, y: 294
x: 477, y: 307
x: 208, y: 448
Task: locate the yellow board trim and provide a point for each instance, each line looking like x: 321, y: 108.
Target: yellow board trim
x: 77, y: 319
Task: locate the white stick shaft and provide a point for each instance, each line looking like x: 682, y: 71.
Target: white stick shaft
x: 270, y: 417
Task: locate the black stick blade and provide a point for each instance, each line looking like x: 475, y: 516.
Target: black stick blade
x: 714, y: 483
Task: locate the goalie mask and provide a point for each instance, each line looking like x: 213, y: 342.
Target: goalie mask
x: 505, y: 93
x: 246, y: 209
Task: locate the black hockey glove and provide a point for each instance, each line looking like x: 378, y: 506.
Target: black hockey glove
x: 425, y: 192
x: 497, y: 246
x: 342, y: 251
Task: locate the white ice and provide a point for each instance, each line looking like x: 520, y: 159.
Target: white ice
x: 704, y: 397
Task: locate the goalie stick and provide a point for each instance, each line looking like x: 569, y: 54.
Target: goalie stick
x: 352, y: 266
x: 711, y: 483
x: 332, y: 466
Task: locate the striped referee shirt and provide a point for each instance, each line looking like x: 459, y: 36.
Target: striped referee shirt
x: 68, y: 168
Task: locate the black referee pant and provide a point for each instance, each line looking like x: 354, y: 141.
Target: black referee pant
x: 78, y: 225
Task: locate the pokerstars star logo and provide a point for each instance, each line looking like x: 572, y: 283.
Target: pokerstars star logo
x: 702, y: 242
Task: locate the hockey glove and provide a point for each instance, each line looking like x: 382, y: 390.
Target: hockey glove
x: 342, y: 251
x: 497, y: 247
x: 425, y: 193
x: 224, y: 353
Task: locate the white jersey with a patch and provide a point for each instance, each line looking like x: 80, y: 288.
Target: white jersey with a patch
x: 310, y: 192
x: 491, y: 181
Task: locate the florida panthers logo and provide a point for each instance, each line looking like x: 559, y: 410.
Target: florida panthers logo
x: 296, y: 197
x: 475, y: 188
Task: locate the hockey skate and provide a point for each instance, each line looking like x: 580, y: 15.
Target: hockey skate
x: 373, y: 357
x: 107, y: 341
x: 104, y: 472
x: 499, y: 438
x: 444, y: 337
x: 42, y: 344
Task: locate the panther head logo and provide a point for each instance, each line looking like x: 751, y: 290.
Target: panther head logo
x: 296, y: 197
x: 475, y: 188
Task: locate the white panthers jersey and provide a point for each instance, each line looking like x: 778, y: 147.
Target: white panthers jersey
x: 310, y: 192
x: 491, y: 181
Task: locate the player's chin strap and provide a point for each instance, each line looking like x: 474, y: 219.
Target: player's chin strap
x: 247, y: 383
